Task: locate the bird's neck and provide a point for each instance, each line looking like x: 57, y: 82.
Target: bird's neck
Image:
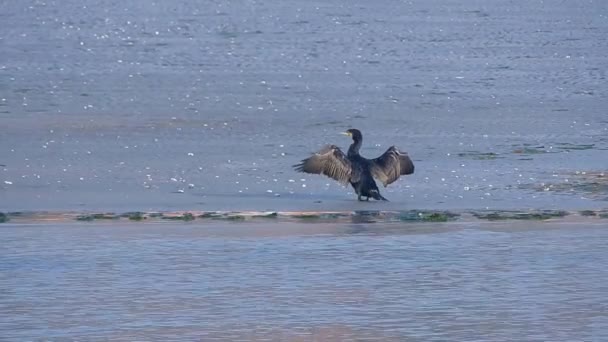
x: 353, y: 150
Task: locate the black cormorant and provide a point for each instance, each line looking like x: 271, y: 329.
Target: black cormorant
x: 358, y: 171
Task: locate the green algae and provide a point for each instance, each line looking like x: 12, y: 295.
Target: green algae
x: 97, y: 216
x: 574, y: 147
x: 427, y: 216
x: 513, y: 215
x: 588, y: 213
x: 183, y: 217
x: 479, y: 155
x: 323, y: 216
x: 224, y: 216
x: 234, y: 218
x: 435, y: 217
x: 491, y: 216
x: 357, y: 216
x: 134, y: 216
x: 528, y: 149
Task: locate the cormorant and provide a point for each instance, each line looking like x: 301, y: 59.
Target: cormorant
x: 358, y: 171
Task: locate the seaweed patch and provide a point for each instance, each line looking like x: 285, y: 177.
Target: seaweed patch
x: 134, y: 216
x: 97, y: 216
x: 183, y: 217
x: 479, y: 155
x: 356, y: 217
x: 519, y: 215
x: 427, y: 216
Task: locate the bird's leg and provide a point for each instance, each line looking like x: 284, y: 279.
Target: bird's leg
x: 359, y: 198
x: 367, y: 199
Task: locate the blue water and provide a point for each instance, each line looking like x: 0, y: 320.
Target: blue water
x: 106, y: 105
x: 205, y: 105
x: 474, y: 281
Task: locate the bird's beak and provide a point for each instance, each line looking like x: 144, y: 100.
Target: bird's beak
x: 346, y: 133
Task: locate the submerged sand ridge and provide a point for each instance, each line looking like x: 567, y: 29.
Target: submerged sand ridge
x: 358, y: 216
x: 145, y: 116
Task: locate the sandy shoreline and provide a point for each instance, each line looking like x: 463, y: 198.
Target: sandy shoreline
x: 281, y: 217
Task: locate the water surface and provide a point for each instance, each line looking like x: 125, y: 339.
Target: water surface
x: 206, y: 105
x: 421, y: 282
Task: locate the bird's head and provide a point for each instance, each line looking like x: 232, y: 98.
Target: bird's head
x: 354, y: 133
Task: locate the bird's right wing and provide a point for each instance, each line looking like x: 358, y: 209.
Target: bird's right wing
x: 330, y: 161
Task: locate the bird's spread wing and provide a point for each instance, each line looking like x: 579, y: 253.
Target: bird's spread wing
x: 391, y: 165
x: 330, y: 161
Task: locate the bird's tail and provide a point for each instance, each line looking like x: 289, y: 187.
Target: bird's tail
x: 376, y: 195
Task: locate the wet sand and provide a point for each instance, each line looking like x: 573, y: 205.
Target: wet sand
x: 276, y: 218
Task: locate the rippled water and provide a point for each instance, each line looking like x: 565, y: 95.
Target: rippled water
x: 182, y: 104
x: 205, y: 105
x: 487, y: 281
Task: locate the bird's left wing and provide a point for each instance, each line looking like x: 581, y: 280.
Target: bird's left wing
x: 391, y: 165
x: 330, y: 161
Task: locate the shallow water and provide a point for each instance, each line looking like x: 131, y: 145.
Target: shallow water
x: 421, y: 282
x: 206, y: 105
